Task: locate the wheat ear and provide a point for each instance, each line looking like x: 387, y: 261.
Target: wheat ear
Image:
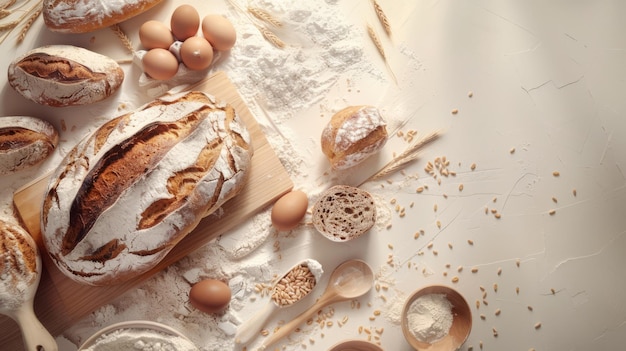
x: 29, y: 22
x: 119, y: 32
x: 271, y: 37
x: 379, y: 46
x: 264, y: 16
x: 407, y: 156
x: 382, y: 17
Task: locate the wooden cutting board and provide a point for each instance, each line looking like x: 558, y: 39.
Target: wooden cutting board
x: 60, y: 302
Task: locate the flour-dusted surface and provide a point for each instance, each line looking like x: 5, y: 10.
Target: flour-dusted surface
x: 140, y: 340
x: 534, y: 87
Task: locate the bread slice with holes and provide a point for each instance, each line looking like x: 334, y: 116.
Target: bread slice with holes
x: 344, y: 212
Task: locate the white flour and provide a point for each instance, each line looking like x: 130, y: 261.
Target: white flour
x: 140, y: 340
x: 430, y: 317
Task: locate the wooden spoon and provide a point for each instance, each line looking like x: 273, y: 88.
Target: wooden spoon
x: 23, y: 266
x: 349, y: 280
x: 250, y: 328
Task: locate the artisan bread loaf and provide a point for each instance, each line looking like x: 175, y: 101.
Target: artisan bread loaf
x: 25, y: 142
x: 352, y: 135
x: 81, y: 16
x: 344, y: 212
x: 125, y: 195
x: 20, y: 265
x: 64, y: 75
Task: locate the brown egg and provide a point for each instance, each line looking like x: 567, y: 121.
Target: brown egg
x: 219, y: 31
x: 160, y: 64
x: 289, y: 210
x: 196, y: 53
x: 185, y: 22
x: 210, y: 295
x: 154, y: 34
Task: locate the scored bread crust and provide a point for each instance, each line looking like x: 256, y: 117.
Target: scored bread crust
x: 125, y: 195
x: 25, y: 142
x: 20, y: 265
x: 82, y: 16
x: 352, y: 135
x: 344, y: 212
x: 64, y: 75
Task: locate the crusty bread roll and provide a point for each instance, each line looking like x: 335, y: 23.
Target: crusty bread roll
x: 20, y: 265
x: 344, y: 212
x: 25, y: 142
x: 64, y: 75
x: 125, y: 195
x: 81, y: 16
x: 352, y: 135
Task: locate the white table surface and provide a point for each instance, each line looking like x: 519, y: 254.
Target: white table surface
x: 547, y: 80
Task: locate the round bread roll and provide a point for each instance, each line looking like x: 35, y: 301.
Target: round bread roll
x: 25, y: 142
x: 344, y: 212
x: 352, y: 135
x: 82, y: 16
x: 64, y: 75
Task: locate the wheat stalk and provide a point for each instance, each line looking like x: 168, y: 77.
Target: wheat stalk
x: 119, y: 32
x: 407, y: 156
x: 382, y: 17
x: 29, y: 22
x: 264, y: 16
x: 381, y: 50
x: 271, y: 37
x: 8, y: 25
x: 8, y: 4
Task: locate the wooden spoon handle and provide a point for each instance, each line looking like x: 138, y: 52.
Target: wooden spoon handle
x: 36, y: 336
x: 326, y: 299
x: 250, y: 328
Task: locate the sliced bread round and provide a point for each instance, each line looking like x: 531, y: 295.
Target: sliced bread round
x: 344, y: 212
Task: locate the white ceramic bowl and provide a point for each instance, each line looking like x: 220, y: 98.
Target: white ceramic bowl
x: 141, y: 325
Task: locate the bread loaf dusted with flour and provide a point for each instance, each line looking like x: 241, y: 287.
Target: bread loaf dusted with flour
x: 352, y: 135
x: 81, y: 16
x: 64, y: 75
x: 25, y: 142
x: 125, y: 195
x: 20, y: 265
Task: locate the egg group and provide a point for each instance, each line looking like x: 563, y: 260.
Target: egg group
x: 183, y: 43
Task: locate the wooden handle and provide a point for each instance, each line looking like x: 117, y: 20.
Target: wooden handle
x: 250, y: 328
x: 327, y: 298
x: 36, y: 336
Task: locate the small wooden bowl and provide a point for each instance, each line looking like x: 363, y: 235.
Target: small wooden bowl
x: 461, y: 324
x: 355, y: 345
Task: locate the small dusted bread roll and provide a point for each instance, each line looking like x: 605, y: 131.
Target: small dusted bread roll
x: 25, y: 142
x: 64, y: 75
x: 352, y: 135
x: 81, y: 16
x: 344, y: 212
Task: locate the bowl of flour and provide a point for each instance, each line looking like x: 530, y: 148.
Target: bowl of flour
x: 138, y: 336
x: 437, y: 318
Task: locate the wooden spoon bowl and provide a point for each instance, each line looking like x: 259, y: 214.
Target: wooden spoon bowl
x: 355, y: 345
x: 461, y: 324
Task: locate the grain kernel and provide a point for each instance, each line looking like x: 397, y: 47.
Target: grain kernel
x: 497, y: 312
x: 556, y: 173
x: 537, y: 325
x: 455, y: 279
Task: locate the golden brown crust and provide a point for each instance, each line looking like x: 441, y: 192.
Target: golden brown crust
x: 25, y: 142
x: 80, y: 16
